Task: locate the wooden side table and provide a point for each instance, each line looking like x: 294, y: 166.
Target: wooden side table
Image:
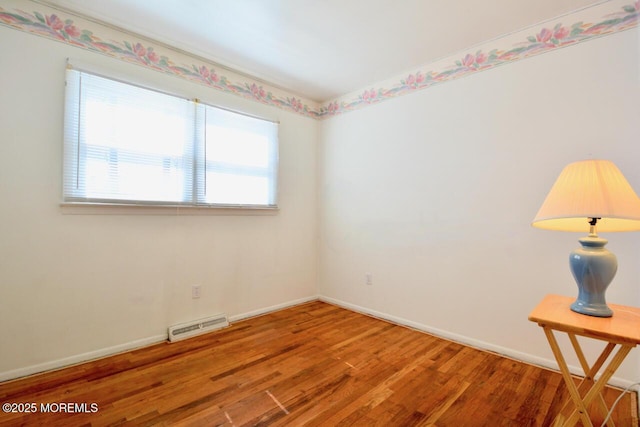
x: 622, y: 331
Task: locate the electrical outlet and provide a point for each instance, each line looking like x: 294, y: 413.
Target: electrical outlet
x: 195, y: 291
x: 368, y: 279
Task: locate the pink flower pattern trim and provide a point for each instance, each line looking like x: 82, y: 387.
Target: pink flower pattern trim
x: 546, y: 39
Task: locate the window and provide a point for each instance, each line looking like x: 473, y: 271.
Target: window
x: 126, y: 144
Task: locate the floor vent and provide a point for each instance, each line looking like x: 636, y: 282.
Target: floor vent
x: 197, y: 327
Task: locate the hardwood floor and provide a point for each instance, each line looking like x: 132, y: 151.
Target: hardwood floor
x: 314, y: 365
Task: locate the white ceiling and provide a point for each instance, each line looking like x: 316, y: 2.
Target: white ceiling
x: 321, y: 49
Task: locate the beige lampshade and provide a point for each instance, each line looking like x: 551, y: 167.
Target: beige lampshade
x: 590, y: 189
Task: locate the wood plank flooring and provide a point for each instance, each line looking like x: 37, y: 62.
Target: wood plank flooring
x: 312, y: 365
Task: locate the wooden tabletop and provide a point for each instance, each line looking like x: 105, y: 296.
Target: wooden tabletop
x: 623, y: 327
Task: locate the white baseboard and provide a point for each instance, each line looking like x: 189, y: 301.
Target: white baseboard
x: 272, y: 308
x: 84, y: 357
x: 482, y: 345
x: 110, y: 351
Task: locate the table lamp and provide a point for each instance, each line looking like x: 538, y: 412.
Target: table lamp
x: 590, y: 195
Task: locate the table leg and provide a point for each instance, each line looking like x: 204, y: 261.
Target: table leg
x: 591, y: 372
x: 602, y: 381
x: 581, y: 410
x: 592, y: 387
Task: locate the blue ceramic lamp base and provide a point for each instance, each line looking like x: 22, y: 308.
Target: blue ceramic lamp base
x: 590, y: 308
x: 593, y: 268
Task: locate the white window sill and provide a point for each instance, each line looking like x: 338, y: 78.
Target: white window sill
x: 80, y: 208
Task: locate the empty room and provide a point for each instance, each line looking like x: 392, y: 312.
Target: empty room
x: 319, y: 213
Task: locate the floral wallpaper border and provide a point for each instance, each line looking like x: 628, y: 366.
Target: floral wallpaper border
x: 547, y: 38
x: 75, y: 31
x: 606, y: 18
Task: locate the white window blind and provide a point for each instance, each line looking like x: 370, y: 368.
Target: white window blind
x: 131, y: 145
x: 239, y: 159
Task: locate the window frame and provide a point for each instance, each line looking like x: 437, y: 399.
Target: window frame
x: 72, y: 165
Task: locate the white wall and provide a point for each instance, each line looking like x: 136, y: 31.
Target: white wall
x: 433, y: 194
x: 73, y: 285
